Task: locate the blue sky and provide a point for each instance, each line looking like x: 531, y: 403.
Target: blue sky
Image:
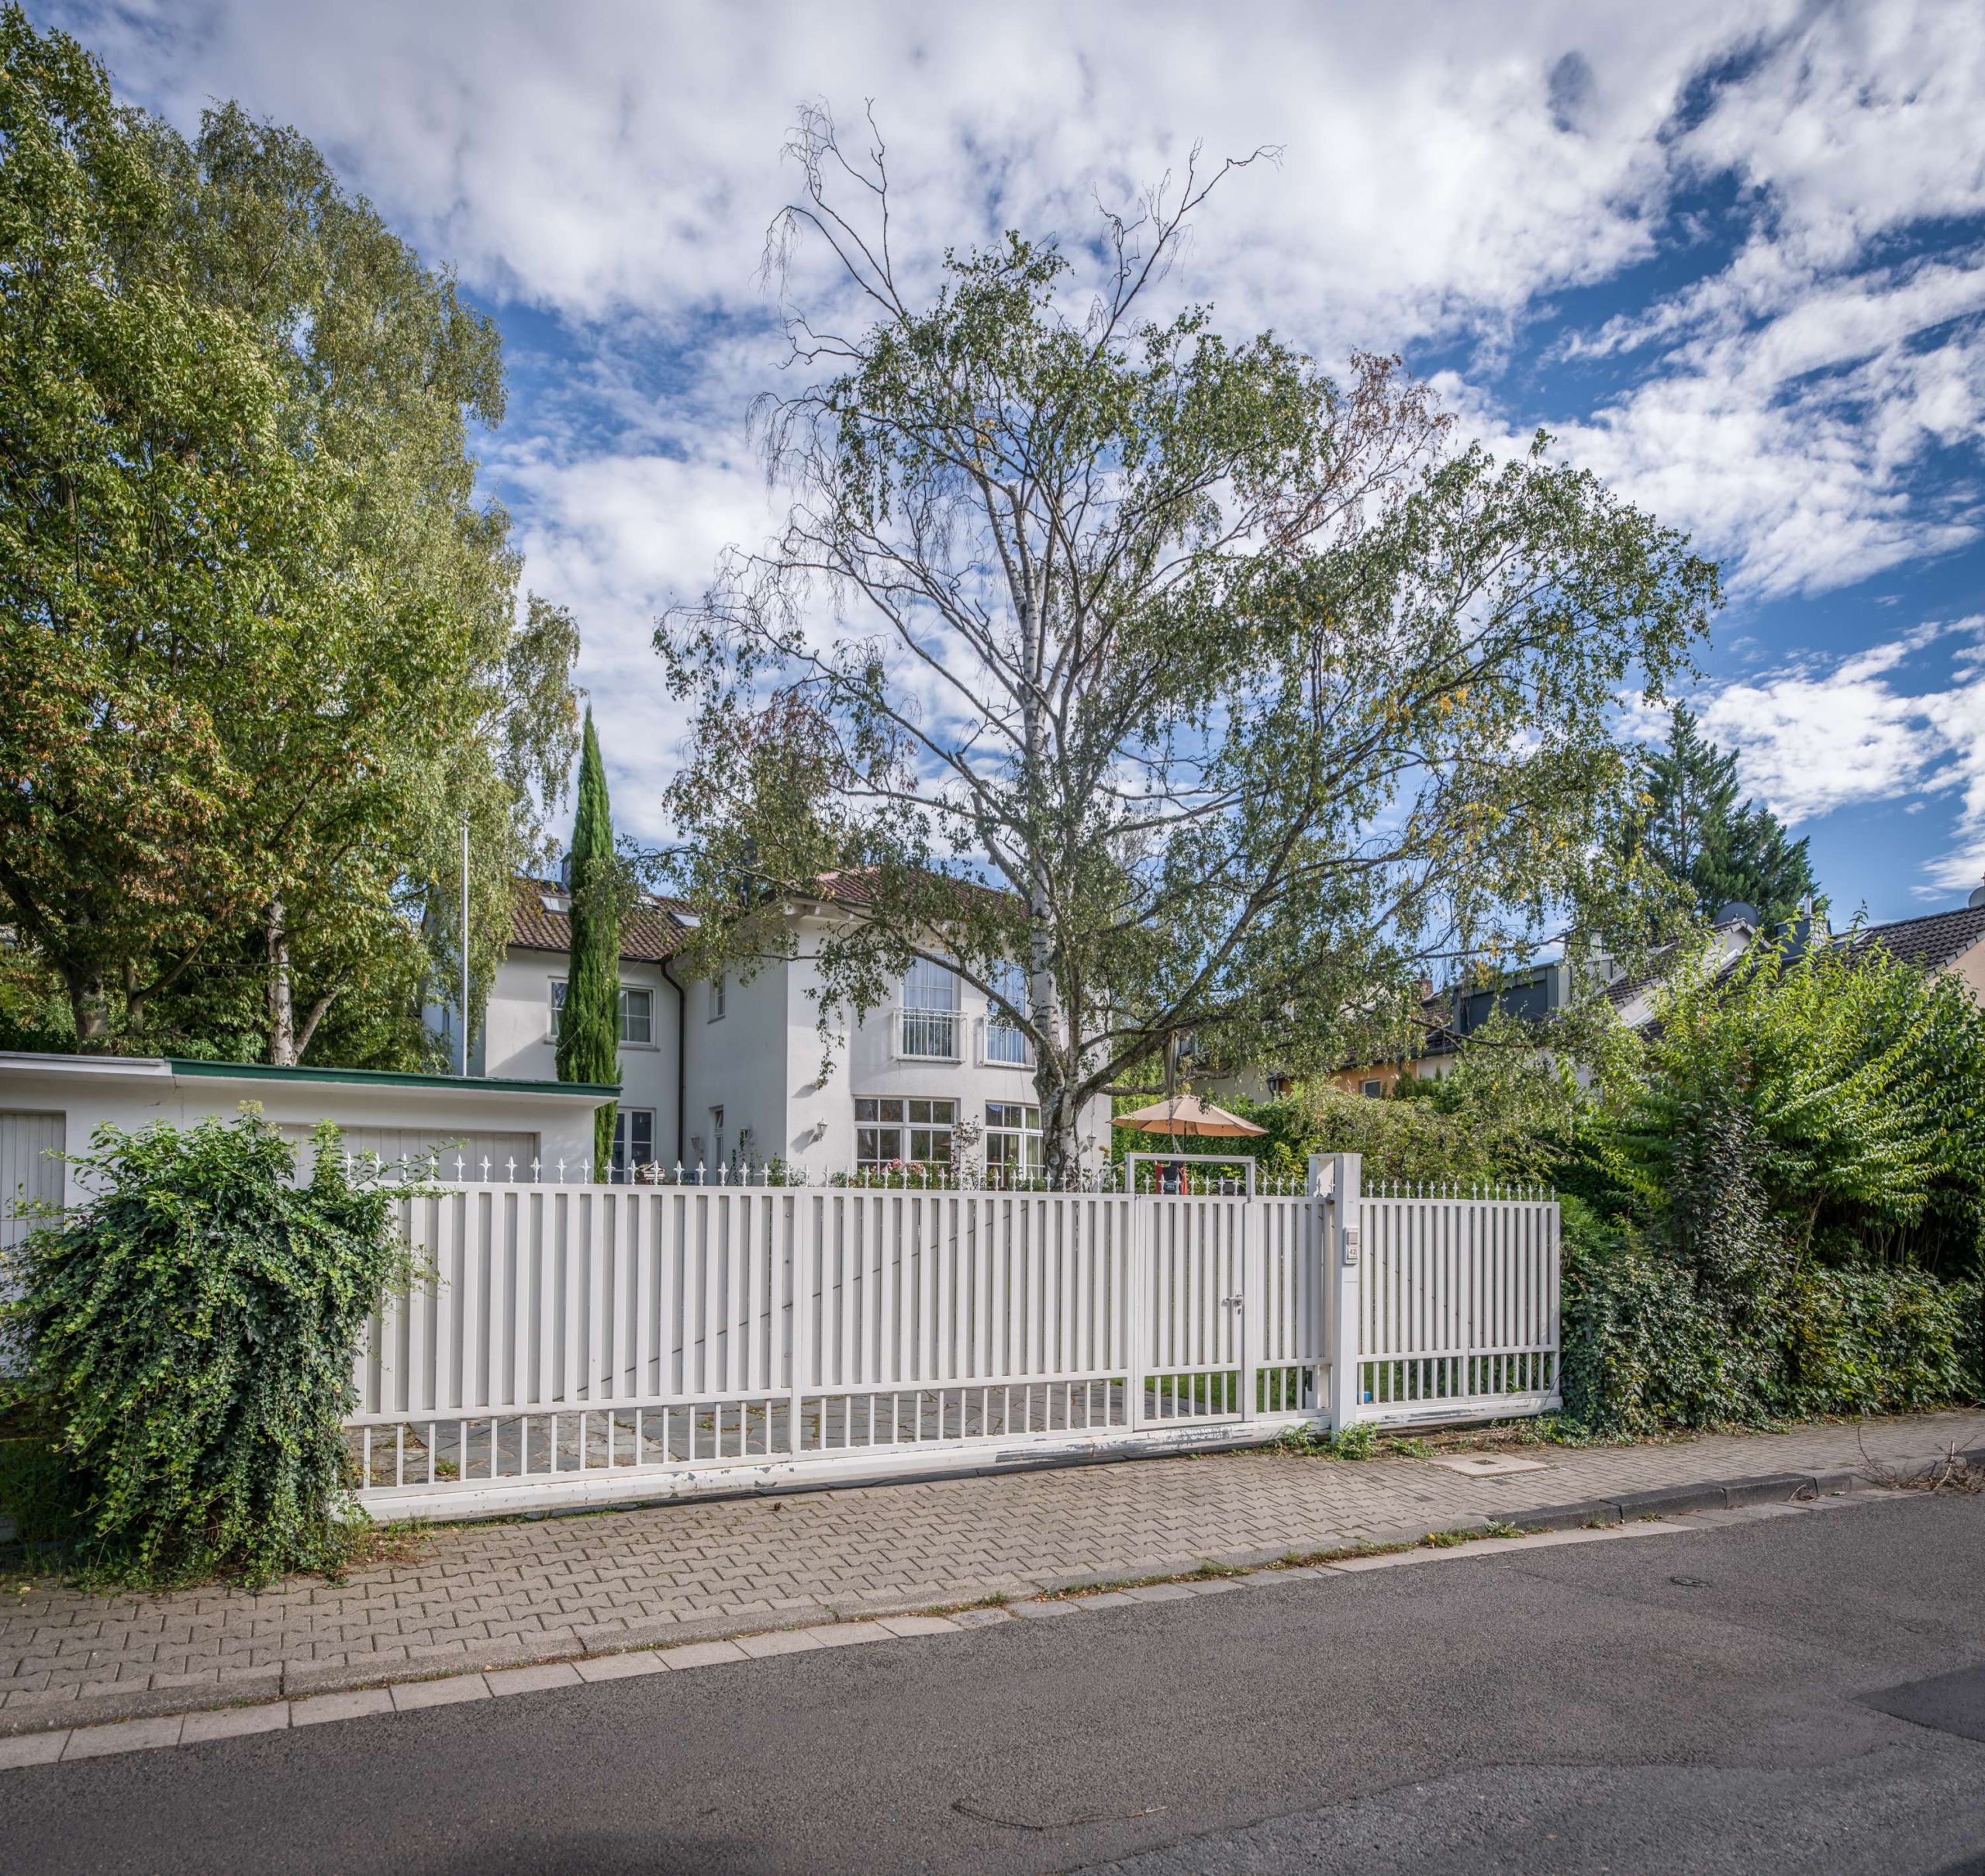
x: 1732, y: 255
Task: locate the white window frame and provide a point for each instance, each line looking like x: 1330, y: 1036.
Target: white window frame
x: 1027, y: 1138
x: 720, y: 996
x: 919, y: 1022
x: 628, y: 993
x: 903, y: 1128
x: 556, y: 997
x: 623, y: 1131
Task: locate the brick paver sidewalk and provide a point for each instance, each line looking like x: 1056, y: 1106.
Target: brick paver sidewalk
x: 496, y: 1594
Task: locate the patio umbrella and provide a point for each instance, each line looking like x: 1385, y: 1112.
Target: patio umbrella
x: 1185, y: 1114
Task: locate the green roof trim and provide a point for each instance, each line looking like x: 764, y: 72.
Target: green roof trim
x: 386, y: 1078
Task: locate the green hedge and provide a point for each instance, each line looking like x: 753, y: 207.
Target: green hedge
x: 1648, y: 1349
x: 188, y: 1339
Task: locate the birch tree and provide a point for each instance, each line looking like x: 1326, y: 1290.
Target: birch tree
x: 1228, y: 697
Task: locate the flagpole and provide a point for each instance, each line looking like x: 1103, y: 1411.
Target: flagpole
x: 464, y: 949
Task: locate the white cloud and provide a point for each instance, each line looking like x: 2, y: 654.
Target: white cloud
x: 1809, y: 745
x: 1446, y: 171
x: 1826, y: 734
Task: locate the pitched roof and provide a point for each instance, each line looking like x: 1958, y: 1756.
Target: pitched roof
x: 1933, y: 941
x: 648, y: 934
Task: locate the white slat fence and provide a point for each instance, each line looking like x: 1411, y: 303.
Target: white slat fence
x: 582, y: 1342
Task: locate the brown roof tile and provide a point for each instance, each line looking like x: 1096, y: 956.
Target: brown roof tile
x: 1933, y: 941
x: 647, y: 933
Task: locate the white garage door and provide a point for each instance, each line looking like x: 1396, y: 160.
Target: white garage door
x: 30, y: 1169
x: 467, y: 1151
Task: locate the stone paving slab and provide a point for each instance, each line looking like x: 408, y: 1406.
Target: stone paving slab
x: 500, y: 1596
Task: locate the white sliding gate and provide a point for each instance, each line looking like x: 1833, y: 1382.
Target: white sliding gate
x: 576, y: 1344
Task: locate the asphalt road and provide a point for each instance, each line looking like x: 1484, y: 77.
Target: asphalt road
x: 1696, y: 1702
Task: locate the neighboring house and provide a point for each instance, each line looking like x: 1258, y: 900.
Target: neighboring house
x: 1532, y: 995
x: 732, y: 1071
x: 1946, y: 944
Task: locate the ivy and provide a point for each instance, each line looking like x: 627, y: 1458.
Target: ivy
x: 188, y: 1337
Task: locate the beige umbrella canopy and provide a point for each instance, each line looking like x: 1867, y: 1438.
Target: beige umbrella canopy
x: 1184, y: 1114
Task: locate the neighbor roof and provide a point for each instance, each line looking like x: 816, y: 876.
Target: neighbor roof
x: 648, y: 933
x: 1933, y: 941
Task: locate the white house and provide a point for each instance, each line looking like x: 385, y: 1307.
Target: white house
x: 518, y: 1038
x: 732, y: 1071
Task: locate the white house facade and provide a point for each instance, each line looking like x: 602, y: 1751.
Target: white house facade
x: 733, y: 1071
x: 519, y: 1037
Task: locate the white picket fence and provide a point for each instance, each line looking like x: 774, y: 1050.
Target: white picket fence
x: 574, y: 1344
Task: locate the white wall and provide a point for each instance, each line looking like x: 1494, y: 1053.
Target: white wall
x: 743, y: 1062
x: 769, y: 1067
x: 90, y: 1091
x: 516, y: 1040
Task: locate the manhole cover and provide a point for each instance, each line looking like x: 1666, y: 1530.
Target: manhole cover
x: 1489, y: 1465
x: 1946, y: 1703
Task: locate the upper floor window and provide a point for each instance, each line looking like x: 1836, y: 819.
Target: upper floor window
x: 929, y: 986
x: 929, y: 1025
x: 636, y: 1016
x: 637, y: 1013
x: 1010, y: 981
x: 719, y: 996
x: 1006, y: 1041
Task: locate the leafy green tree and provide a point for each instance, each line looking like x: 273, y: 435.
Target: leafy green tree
x: 590, y: 1021
x: 156, y: 546
x: 258, y: 641
x: 1830, y: 1106
x: 1798, y: 1158
x: 1249, y: 694
x: 1692, y: 823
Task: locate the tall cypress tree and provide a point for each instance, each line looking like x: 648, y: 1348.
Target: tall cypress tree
x: 1694, y: 826
x: 589, y: 1023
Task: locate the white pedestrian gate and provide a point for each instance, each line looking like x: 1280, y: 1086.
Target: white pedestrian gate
x: 578, y: 1344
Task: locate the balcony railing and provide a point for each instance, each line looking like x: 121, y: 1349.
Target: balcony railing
x: 928, y: 1035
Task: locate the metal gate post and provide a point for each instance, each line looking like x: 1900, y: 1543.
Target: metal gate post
x: 1253, y: 1301
x: 1344, y: 1265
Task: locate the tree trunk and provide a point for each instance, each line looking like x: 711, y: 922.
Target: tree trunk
x: 90, y: 1004
x: 282, y: 1013
x: 316, y: 1016
x: 1059, y: 1150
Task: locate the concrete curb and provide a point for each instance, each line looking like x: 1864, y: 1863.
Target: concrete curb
x: 291, y: 1680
